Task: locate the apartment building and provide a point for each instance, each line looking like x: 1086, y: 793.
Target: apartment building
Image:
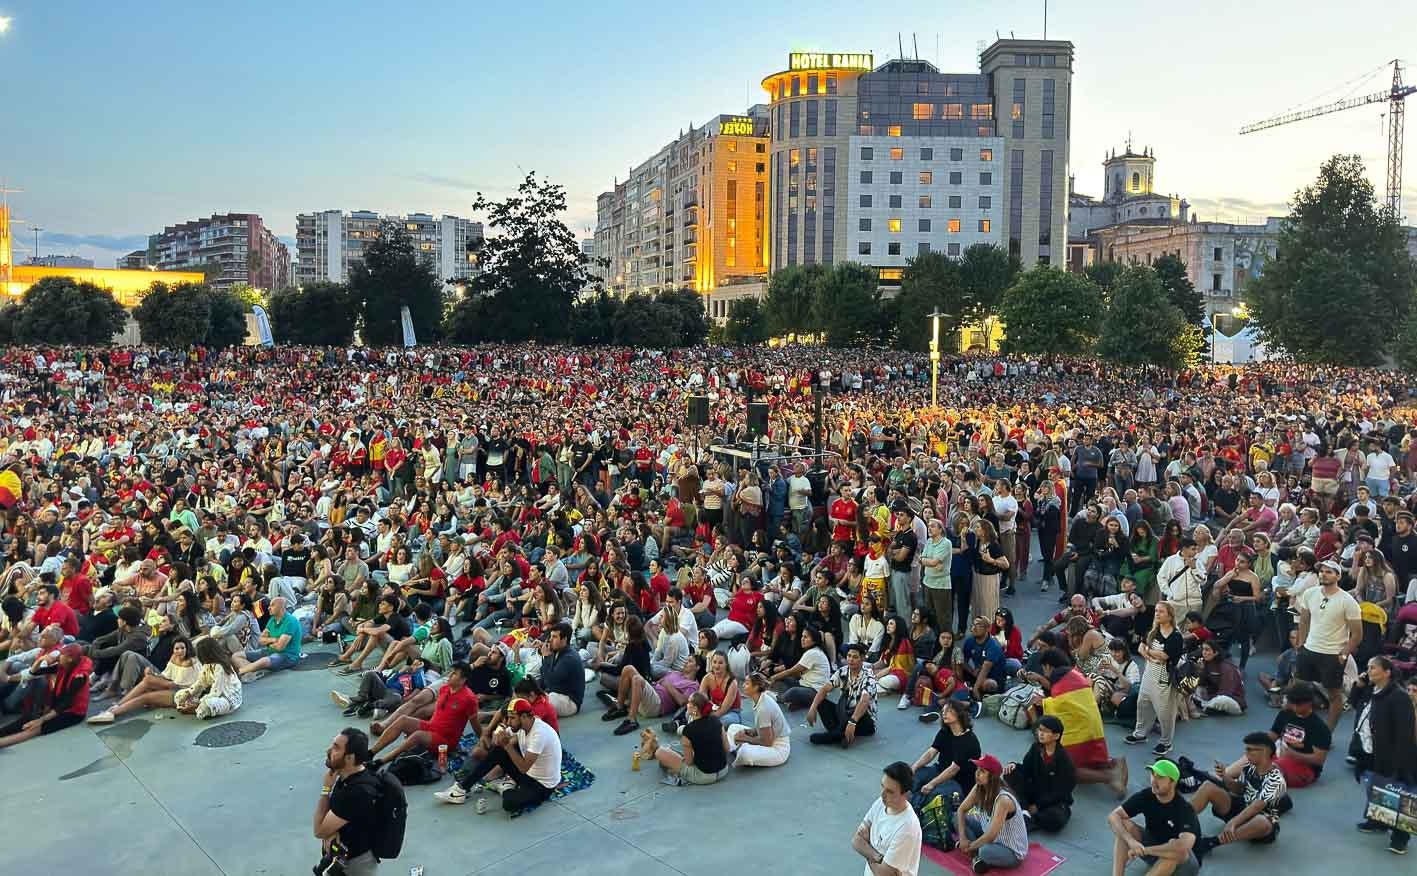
x: 330, y: 243
x: 246, y: 249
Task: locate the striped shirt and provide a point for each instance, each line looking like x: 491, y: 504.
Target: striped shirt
x: 1270, y: 787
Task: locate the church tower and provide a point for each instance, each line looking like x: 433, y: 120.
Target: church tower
x: 1128, y: 175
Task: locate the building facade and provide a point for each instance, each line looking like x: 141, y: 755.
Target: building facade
x: 330, y: 243
x: 247, y: 251
x: 1128, y: 195
x: 692, y: 216
x: 1222, y: 258
x: 60, y: 261
x: 133, y: 261
x: 878, y: 164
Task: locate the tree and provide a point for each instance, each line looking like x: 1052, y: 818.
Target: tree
x: 931, y: 282
x: 58, y: 310
x: 8, y: 314
x: 390, y: 277
x: 227, y: 325
x: 643, y: 322
x: 746, y: 324
x: 1340, y: 287
x: 688, y: 307
x: 1142, y: 326
x: 593, y: 320
x: 790, y: 305
x: 986, y: 272
x: 847, y: 307
x: 1404, y: 348
x: 320, y: 314
x: 176, y: 316
x: 1048, y: 311
x: 249, y: 295
x: 1105, y: 275
x: 532, y: 269
x: 1180, y: 291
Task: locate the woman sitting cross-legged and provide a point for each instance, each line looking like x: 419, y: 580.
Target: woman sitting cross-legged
x: 769, y: 742
x: 705, y: 743
x: 992, y: 831
x: 156, y: 689
x: 954, y: 749
x: 217, y: 690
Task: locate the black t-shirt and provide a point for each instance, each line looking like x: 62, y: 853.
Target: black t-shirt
x: 1227, y: 501
x: 398, y: 627
x: 904, y: 539
x: 580, y: 452
x: 994, y: 551
x: 354, y: 800
x: 705, y: 736
x: 489, y: 682
x: 292, y: 562
x: 1303, y: 735
x: 1164, y: 821
x: 958, y: 750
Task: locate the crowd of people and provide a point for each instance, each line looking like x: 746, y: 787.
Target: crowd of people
x: 485, y: 535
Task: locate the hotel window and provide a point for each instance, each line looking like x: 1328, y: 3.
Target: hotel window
x: 893, y: 226
x: 986, y: 179
x: 794, y: 157
x: 830, y: 121
x: 922, y: 111
x: 953, y: 249
x: 1016, y: 110
x: 922, y: 87
x: 893, y: 131
x: 1048, y: 105
x: 897, y: 177
x: 796, y: 85
x: 986, y: 154
x: 831, y: 83
x: 981, y: 111
x: 867, y: 153
x: 732, y: 165
x: 952, y: 111
x: 893, y: 249
x: 762, y: 168
x: 1215, y: 282
x: 953, y: 226
x: 865, y: 200
x: 924, y: 224
x: 927, y: 154
x: 984, y: 226
x: 927, y: 177
x: 811, y: 118
x: 956, y: 155
x: 1219, y: 254
x: 794, y: 119
x: 731, y: 145
x: 895, y: 202
x: 1045, y: 197
x: 865, y: 177
x: 760, y: 148
x: 866, y: 130
x: 986, y: 202
x: 863, y: 224
x: 863, y: 248
x: 812, y: 83
x: 897, y: 154
x: 956, y: 177
x: 924, y: 202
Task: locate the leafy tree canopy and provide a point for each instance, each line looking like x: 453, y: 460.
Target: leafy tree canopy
x: 847, y: 308
x: 790, y: 305
x: 390, y: 277
x: 1142, y: 326
x: 930, y: 283
x: 1049, y: 311
x: 59, y: 310
x: 320, y: 314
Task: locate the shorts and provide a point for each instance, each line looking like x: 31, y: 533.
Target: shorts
x: 1326, y: 670
x: 651, y: 704
x: 1191, y: 867
x: 439, y: 736
x: 1237, y: 805
x: 278, y: 661
x: 692, y: 775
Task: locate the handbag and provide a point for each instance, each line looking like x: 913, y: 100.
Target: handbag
x: 1392, y: 803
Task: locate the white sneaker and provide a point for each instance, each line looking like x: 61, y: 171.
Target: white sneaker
x: 455, y: 795
x: 104, y: 717
x: 497, y: 786
x: 340, y: 699
x: 1044, y: 588
x: 904, y: 701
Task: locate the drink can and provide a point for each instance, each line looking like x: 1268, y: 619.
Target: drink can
x: 443, y: 758
x: 635, y: 761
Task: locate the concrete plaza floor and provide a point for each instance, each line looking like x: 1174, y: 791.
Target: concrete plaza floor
x: 141, y: 797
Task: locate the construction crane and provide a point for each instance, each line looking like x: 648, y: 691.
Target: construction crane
x: 1394, y: 98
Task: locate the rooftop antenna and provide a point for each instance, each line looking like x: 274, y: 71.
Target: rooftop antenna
x: 916, y: 43
x: 900, y: 44
x: 1045, y: 19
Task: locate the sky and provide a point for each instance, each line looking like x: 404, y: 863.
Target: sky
x: 121, y: 118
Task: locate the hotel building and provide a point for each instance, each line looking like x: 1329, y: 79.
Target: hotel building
x: 694, y: 215
x: 246, y: 249
x: 330, y: 243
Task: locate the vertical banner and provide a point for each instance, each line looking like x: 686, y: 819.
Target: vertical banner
x: 263, y: 326
x: 407, y: 318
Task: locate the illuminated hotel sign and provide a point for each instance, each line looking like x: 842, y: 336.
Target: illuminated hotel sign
x: 736, y: 126
x: 829, y: 61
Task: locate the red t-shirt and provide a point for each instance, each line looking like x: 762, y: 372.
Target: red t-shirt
x: 57, y: 613
x: 78, y: 593
x: 541, y: 707
x: 844, y: 508
x: 450, y: 715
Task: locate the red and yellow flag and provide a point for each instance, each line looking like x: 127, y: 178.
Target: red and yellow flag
x: 1072, y: 701
x: 10, y: 489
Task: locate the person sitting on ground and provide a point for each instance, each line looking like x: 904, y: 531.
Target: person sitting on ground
x: 1045, y: 780
x: 897, y: 659
x: 982, y: 666
x: 131, y: 635
x: 721, y: 687
x: 384, y: 630
x: 217, y: 688
x: 280, y: 645
x: 379, y: 690
x: 853, y: 714
x: 1274, y: 685
x: 786, y: 648
x: 769, y: 742
x: 808, y: 675
x: 1120, y: 702
x: 1167, y: 841
x: 454, y: 709
x: 1010, y: 638
x: 490, y: 677
x: 1120, y: 613
x: 1221, y: 690
x: 889, y: 837
x: 562, y: 673
x: 155, y: 690
x: 954, y: 750
x: 993, y: 833
x: 1076, y: 607
x: 133, y: 666
x: 636, y: 653
x: 526, y: 752
x: 705, y: 742
x: 638, y: 697
x: 671, y: 646
x: 67, y: 700
x: 1070, y: 698
x: 1303, y: 736
x: 1245, y: 795
x: 420, y: 629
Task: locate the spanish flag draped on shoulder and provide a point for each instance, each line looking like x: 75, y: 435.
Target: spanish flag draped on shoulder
x: 10, y: 489
x: 1073, y: 703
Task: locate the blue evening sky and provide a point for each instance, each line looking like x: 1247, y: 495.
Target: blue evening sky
x: 120, y: 118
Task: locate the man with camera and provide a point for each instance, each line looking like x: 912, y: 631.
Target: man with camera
x: 347, y: 814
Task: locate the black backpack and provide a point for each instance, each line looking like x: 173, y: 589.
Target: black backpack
x: 415, y: 769
x: 390, y: 813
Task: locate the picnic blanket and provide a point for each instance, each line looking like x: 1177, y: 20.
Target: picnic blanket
x: 574, y: 775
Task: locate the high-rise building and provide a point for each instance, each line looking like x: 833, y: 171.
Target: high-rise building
x: 133, y: 261
x: 330, y: 243
x: 246, y: 249
x: 878, y: 164
x: 694, y: 215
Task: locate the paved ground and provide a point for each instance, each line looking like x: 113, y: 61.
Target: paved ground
x: 140, y: 796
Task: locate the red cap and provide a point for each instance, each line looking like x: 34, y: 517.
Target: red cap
x: 990, y: 764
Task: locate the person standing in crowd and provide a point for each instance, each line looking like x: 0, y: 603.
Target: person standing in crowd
x: 1386, y: 733
x: 1330, y: 629
x: 1159, y: 701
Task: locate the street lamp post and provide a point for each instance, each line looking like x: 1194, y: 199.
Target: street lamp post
x: 935, y: 356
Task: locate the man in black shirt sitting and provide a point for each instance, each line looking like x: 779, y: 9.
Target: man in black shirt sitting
x: 1167, y: 842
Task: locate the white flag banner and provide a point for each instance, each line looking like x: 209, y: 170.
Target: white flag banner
x: 409, y: 340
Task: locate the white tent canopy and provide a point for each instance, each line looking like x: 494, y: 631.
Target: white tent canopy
x: 1239, y: 348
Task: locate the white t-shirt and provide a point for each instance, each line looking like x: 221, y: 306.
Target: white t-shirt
x: 799, y: 492
x: 1328, y: 619
x: 767, y: 713
x: 1380, y: 465
x: 819, y: 669
x: 542, y: 740
x: 1005, y: 506
x: 896, y: 835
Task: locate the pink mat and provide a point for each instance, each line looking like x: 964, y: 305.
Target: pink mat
x: 1040, y: 861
